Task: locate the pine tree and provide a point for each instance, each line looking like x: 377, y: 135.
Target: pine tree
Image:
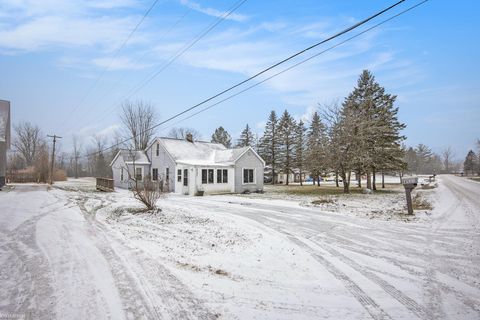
x: 222, y: 136
x: 424, y: 157
x: 300, y: 148
x: 246, y: 138
x: 376, y: 129
x: 317, y: 144
x: 269, y: 144
x: 286, y: 132
x: 470, y: 163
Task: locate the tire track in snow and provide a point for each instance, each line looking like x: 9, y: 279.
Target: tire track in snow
x: 362, y: 297
x: 163, y: 296
x: 375, y: 311
x: 33, y: 293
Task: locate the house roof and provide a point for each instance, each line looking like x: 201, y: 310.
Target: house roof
x: 128, y: 156
x: 201, y: 153
x: 197, y: 153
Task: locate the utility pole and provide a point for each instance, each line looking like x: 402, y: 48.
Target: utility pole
x: 55, y: 137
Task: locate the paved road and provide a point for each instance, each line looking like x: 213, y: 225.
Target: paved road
x: 395, y: 270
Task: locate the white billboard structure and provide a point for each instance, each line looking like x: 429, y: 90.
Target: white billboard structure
x: 4, y: 138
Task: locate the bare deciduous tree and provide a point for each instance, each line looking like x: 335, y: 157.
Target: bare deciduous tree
x: 147, y: 191
x: 138, y: 118
x: 447, y: 158
x: 181, y: 133
x: 27, y: 141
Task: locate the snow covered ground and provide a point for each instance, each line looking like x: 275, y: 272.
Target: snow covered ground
x: 73, y: 253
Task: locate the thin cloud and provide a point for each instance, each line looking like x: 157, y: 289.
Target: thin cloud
x: 212, y: 11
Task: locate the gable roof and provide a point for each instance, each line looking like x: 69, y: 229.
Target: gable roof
x: 200, y: 153
x: 128, y: 156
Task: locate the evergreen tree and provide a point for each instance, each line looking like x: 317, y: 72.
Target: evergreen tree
x: 317, y: 144
x: 376, y: 129
x: 286, y: 133
x: 222, y: 136
x: 269, y: 144
x: 424, y: 157
x: 411, y: 160
x: 300, y: 148
x: 246, y: 138
x: 470, y: 163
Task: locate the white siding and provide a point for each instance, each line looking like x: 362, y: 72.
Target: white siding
x: 248, y: 161
x: 161, y: 162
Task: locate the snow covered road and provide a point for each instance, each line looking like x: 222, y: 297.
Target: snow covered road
x: 81, y: 255
x: 58, y: 263
x: 395, y: 270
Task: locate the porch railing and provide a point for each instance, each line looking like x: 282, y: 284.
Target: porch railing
x: 105, y: 184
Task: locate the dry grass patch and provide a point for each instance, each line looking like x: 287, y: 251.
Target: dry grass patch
x: 330, y: 190
x: 319, y: 202
x: 420, y: 203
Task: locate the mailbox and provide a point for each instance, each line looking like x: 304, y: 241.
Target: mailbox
x: 409, y: 184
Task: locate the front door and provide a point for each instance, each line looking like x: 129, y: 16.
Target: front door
x: 185, y: 182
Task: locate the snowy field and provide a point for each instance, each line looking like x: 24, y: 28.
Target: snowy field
x: 73, y: 253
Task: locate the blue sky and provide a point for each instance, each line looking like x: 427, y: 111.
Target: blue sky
x: 52, y: 52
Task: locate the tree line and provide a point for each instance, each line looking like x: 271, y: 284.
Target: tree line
x: 362, y: 135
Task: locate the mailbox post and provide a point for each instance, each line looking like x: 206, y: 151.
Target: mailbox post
x: 409, y: 184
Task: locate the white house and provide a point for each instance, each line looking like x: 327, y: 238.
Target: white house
x: 191, y: 166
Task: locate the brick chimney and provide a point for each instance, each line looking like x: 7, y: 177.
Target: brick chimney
x: 189, y: 137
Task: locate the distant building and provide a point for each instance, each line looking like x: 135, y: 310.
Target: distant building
x: 190, y: 167
x: 4, y: 138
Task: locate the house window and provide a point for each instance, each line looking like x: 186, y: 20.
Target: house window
x: 225, y: 176
x: 179, y: 175
x: 207, y: 176
x: 167, y: 174
x: 157, y: 152
x: 121, y: 174
x: 138, y: 174
x: 210, y: 175
x: 222, y: 176
x: 185, y: 177
x: 154, y: 174
x: 248, y: 176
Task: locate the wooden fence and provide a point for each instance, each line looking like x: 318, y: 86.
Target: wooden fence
x: 105, y: 184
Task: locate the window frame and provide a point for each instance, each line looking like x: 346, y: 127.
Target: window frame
x: 167, y: 174
x: 224, y: 175
x: 185, y: 177
x: 254, y: 176
x: 141, y: 174
x: 154, y: 176
x: 179, y: 175
x: 211, y: 176
x: 157, y: 150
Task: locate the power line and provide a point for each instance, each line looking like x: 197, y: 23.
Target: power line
x: 177, y: 55
x: 105, y: 69
x: 163, y: 35
x: 259, y: 73
x: 297, y: 64
x: 185, y: 49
